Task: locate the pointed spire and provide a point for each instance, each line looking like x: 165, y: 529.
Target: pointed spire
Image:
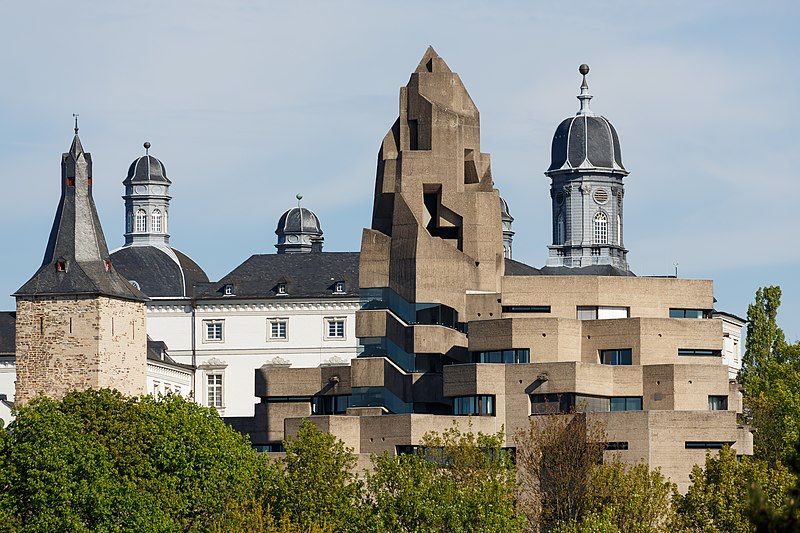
x: 431, y: 62
x: 584, y: 97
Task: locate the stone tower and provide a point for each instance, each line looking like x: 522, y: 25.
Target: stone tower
x: 586, y: 190
x: 79, y: 323
x: 436, y: 235
x: 147, y: 202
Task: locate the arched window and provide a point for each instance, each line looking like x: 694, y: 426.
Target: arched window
x: 600, y: 228
x: 156, y: 221
x: 619, y: 230
x: 560, y: 230
x: 141, y: 221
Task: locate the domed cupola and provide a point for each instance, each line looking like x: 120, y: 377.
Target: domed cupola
x: 586, y: 191
x: 585, y: 141
x: 299, y: 231
x: 146, y: 169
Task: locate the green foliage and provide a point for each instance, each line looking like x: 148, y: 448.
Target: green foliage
x: 99, y: 461
x: 600, y: 521
x: 718, y: 499
x: 315, y: 484
x: 458, y: 482
x: 764, y: 337
x: 634, y: 498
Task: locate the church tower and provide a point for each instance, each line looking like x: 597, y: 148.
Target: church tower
x: 147, y: 202
x: 586, y: 190
x: 79, y: 323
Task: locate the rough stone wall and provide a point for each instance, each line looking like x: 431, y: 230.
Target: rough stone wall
x: 68, y: 343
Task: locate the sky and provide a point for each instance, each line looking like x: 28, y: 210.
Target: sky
x: 250, y: 103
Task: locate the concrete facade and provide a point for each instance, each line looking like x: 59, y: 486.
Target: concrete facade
x: 539, y: 342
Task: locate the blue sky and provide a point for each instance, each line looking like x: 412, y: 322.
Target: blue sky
x: 249, y: 103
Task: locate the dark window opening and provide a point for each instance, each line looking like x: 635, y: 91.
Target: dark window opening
x: 699, y: 352
x: 526, y: 308
x: 443, y: 223
x: 70, y: 181
x: 616, y: 357
x: 626, y: 403
x: 616, y: 446
x: 413, y: 134
x: 330, y: 405
x: 470, y: 168
x: 108, y: 265
x: 706, y: 445
x: 270, y: 447
x: 717, y: 403
x: 61, y: 266
x: 689, y: 313
x: 437, y: 454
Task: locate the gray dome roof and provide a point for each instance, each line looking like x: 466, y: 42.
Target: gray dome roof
x: 505, y: 214
x: 297, y: 221
x: 146, y: 168
x: 158, y: 271
x: 586, y: 141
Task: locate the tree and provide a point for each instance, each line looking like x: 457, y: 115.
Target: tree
x: 764, y: 337
x: 99, y: 461
x: 455, y: 482
x: 718, y: 500
x: 315, y: 485
x: 556, y: 457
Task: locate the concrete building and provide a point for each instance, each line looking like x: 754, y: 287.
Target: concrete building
x: 454, y: 331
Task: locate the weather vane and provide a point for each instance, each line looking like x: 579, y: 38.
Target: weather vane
x: 75, y: 116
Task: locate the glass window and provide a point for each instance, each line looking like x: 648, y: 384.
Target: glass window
x: 718, y: 403
x: 526, y: 308
x: 281, y: 288
x: 688, y: 313
x: 707, y: 445
x: 335, y: 328
x: 586, y: 312
x: 616, y: 357
x: 277, y: 328
x: 213, y: 330
x: 214, y: 390
x: 626, y: 403
x: 339, y: 287
x: 156, y: 216
x: 482, y: 405
x: 699, y: 352
x: 522, y: 355
x: 600, y: 228
x: 330, y: 405
x: 141, y: 221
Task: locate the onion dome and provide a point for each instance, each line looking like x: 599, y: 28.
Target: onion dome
x: 299, y: 230
x: 146, y: 168
x: 586, y: 141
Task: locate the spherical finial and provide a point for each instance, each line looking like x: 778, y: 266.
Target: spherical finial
x: 584, y: 69
x: 146, y: 145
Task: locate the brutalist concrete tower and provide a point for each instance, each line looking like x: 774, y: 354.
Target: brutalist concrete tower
x: 79, y: 323
x: 586, y: 190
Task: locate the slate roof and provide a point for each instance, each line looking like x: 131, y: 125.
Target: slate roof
x: 77, y: 242
x: 585, y: 141
x: 8, y: 333
x: 306, y: 275
x: 298, y: 220
x: 157, y: 351
x: 146, y: 168
x: 157, y: 273
x: 516, y: 268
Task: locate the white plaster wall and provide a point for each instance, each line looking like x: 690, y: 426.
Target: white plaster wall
x: 180, y: 381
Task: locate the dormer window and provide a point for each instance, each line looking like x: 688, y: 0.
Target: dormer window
x: 339, y: 287
x: 227, y: 290
x: 281, y: 288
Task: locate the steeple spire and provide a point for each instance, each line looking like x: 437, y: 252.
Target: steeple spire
x: 584, y: 97
x: 76, y: 261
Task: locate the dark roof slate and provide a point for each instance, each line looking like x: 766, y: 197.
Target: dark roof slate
x: 146, y: 168
x: 156, y: 273
x: 516, y: 268
x: 8, y: 333
x: 586, y: 139
x: 157, y: 351
x: 306, y: 275
x: 594, y: 270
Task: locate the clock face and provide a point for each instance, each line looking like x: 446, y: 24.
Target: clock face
x: 158, y: 189
x: 140, y: 189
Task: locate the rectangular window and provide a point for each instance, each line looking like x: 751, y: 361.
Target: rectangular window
x: 156, y: 388
x: 602, y: 312
x: 338, y: 286
x: 699, y: 352
x: 526, y: 308
x: 522, y: 355
x: 689, y: 313
x: 277, y: 328
x: 616, y: 357
x: 482, y: 405
x: 616, y: 445
x: 214, y: 390
x: 213, y: 330
x: 626, y: 403
x: 705, y: 445
x: 330, y: 405
x: 334, y: 328
x: 717, y: 403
